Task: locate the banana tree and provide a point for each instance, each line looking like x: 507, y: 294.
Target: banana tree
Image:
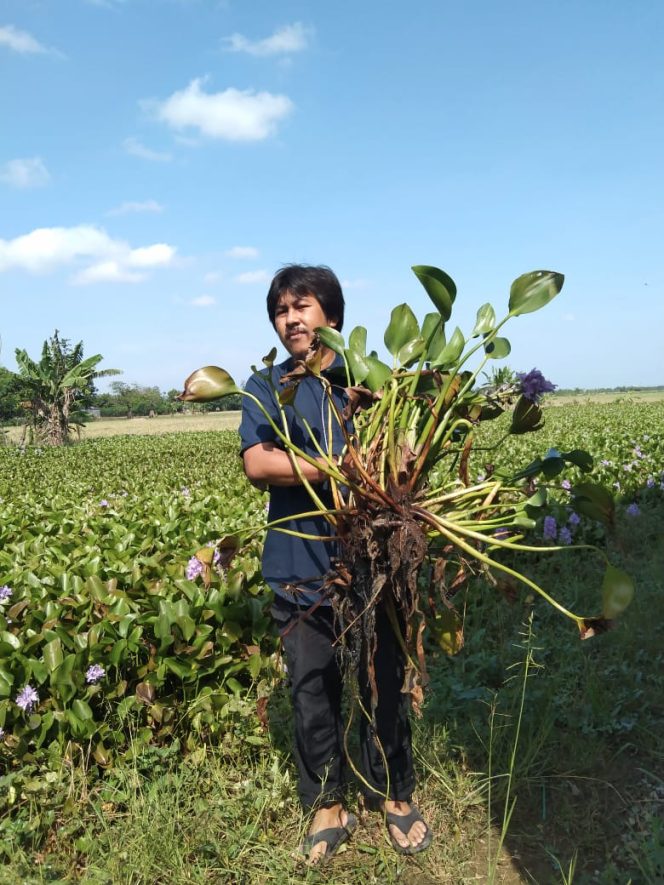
x: 56, y: 385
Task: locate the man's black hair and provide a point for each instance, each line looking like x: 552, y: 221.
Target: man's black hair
x: 307, y: 279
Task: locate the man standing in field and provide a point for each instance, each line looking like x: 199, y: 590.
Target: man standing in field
x: 300, y: 299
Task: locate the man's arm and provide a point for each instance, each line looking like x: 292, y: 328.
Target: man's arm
x: 266, y: 464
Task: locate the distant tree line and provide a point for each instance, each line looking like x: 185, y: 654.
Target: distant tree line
x: 567, y: 391
x: 136, y: 400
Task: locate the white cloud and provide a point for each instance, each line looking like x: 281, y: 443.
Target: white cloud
x: 242, y: 252
x: 25, y: 172
x: 134, y: 147
x: 569, y: 317
x: 46, y: 249
x: 284, y: 41
x: 157, y: 255
x: 132, y: 206
x: 252, y: 276
x: 20, y: 41
x: 232, y: 115
x: 203, y: 301
x: 107, y: 272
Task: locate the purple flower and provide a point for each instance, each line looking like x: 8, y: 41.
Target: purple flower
x: 94, y: 673
x: 564, y: 536
x: 605, y: 463
x: 574, y: 519
x: 550, y: 528
x: 194, y: 568
x: 27, y: 698
x: 5, y: 593
x: 185, y: 491
x: 650, y: 482
x: 104, y: 503
x: 633, y: 510
x: 534, y: 385
x: 566, y: 484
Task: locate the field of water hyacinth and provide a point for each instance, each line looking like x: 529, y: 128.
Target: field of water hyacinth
x: 122, y: 657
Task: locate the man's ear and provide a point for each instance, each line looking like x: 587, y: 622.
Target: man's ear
x: 333, y: 323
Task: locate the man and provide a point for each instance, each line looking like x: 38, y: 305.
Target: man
x: 300, y: 299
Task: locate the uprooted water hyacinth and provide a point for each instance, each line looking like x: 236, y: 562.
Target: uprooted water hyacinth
x: 411, y: 525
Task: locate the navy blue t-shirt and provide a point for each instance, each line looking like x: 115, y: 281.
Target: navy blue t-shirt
x: 288, y: 559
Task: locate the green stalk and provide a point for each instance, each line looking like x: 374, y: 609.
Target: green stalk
x: 446, y: 532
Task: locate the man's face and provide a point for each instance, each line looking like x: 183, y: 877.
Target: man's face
x: 295, y: 319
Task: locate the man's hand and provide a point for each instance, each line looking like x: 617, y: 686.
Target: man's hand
x: 266, y: 464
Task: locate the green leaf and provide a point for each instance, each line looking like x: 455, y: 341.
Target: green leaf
x: 269, y: 359
x: 329, y: 337
x: 9, y: 641
x: 617, y: 592
x: 179, y: 668
x: 498, y: 348
x: 440, y: 288
x: 403, y: 327
x: 358, y: 365
x: 539, y: 499
x: 357, y: 340
x: 581, y: 459
x: 411, y: 352
x: 208, y: 384
x: 485, y: 322
x: 6, y: 682
x: 52, y: 653
x: 433, y: 332
x: 378, y: 374
x: 82, y: 710
x: 447, y: 629
x: 552, y: 467
x: 452, y: 350
x: 234, y: 685
x: 533, y: 290
x: 593, y: 500
x: 526, y: 417
x: 254, y: 665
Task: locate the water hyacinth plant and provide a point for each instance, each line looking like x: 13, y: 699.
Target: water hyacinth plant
x: 411, y: 525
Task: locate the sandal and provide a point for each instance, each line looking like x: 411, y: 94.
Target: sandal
x: 404, y: 822
x: 334, y: 836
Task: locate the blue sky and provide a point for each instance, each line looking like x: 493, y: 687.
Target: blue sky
x: 160, y: 159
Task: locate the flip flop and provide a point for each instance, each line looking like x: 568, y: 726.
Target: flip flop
x: 404, y: 822
x: 334, y: 836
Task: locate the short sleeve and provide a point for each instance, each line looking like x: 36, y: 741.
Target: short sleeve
x: 254, y: 426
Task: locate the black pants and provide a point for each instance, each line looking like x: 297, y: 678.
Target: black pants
x: 316, y: 690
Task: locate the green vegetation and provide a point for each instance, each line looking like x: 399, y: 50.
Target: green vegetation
x: 212, y: 799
